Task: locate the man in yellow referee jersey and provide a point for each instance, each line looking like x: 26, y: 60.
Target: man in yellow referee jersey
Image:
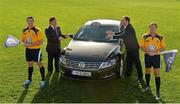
x: 152, y: 43
x: 32, y: 37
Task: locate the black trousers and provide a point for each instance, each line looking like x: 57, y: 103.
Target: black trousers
x: 53, y: 56
x: 133, y: 58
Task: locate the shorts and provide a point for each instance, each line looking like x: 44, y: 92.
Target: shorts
x: 33, y: 55
x: 152, y: 61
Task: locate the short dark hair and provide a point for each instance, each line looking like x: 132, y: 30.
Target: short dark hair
x: 153, y: 23
x: 52, y: 19
x: 30, y: 17
x: 127, y: 18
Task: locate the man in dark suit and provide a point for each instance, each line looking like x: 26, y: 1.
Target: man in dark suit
x: 53, y: 48
x: 129, y: 37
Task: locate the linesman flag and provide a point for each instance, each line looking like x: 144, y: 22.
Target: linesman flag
x: 169, y: 58
x: 11, y: 41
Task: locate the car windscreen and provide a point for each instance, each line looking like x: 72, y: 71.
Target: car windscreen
x: 95, y: 33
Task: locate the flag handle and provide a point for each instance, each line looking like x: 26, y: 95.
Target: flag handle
x: 17, y: 39
x: 163, y: 52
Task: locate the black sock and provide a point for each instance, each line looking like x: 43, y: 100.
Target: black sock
x: 30, y: 71
x: 158, y: 82
x: 42, y: 71
x: 147, y: 77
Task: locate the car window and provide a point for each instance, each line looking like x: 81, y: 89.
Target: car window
x: 95, y: 33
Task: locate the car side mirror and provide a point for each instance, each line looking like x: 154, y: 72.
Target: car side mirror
x: 121, y: 42
x: 70, y: 35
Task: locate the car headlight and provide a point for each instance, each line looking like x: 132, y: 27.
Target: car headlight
x: 62, y: 59
x: 108, y: 64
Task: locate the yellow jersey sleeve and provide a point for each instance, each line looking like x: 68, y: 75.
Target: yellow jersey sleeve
x: 162, y: 43
x: 141, y: 42
x: 40, y: 35
x: 23, y: 37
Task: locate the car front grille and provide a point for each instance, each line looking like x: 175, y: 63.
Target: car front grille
x: 92, y: 66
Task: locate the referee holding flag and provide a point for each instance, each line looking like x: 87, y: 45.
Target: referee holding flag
x: 32, y: 37
x: 151, y: 44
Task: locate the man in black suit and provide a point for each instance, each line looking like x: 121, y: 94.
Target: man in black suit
x: 53, y: 48
x: 129, y: 37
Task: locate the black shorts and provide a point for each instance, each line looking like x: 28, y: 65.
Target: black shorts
x: 152, y: 61
x: 33, y: 55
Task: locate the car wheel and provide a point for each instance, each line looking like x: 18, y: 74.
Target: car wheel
x: 119, y: 68
x: 117, y: 71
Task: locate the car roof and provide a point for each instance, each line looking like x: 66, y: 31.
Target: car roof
x: 105, y: 22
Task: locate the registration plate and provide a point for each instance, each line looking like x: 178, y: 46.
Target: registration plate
x: 81, y: 73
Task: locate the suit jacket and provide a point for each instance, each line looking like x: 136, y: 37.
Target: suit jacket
x: 53, y: 42
x: 129, y: 37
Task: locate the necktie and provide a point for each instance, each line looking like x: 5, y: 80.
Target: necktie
x: 55, y: 29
